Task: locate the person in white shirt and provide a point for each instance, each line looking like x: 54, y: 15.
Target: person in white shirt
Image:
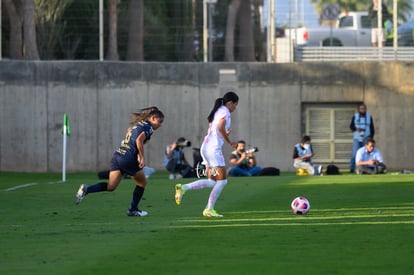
x: 369, y: 159
x: 211, y: 151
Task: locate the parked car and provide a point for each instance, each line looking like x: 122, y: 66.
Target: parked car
x: 352, y: 29
x: 406, y: 34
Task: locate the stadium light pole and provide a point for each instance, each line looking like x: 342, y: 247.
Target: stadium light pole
x: 1, y: 33
x: 379, y: 22
x: 208, y: 29
x: 394, y: 25
x: 271, y: 31
x: 101, y: 26
x: 205, y: 54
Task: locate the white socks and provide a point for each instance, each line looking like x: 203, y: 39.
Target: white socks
x: 199, y: 184
x: 215, y: 193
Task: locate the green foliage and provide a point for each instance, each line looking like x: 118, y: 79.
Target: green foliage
x: 81, y: 37
x: 357, y: 225
x: 50, y: 26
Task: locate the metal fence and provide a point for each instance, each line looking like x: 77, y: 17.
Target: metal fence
x: 309, y: 54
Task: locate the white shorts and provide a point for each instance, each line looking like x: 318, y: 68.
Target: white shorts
x: 377, y: 33
x: 213, y: 157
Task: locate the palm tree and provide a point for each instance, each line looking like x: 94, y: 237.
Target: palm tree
x: 233, y: 9
x: 23, y: 39
x: 15, y: 16
x: 246, y: 40
x: 113, y: 30
x: 135, y: 49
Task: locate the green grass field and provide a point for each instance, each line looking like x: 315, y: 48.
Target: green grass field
x: 357, y: 225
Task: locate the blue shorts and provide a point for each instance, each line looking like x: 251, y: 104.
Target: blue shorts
x: 125, y: 165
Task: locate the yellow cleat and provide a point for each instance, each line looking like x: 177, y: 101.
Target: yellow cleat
x: 211, y: 213
x: 179, y: 192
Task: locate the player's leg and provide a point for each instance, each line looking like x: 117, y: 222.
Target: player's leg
x: 207, y: 155
x: 140, y: 183
x: 114, y: 179
x: 180, y: 189
x: 219, y: 175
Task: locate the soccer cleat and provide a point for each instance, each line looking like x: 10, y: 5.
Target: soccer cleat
x: 211, y: 213
x: 81, y: 193
x: 179, y: 192
x: 137, y: 213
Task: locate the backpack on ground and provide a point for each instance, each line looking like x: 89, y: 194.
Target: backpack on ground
x: 332, y: 169
x: 270, y: 171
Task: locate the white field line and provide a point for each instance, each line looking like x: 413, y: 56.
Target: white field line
x: 20, y: 186
x: 53, y: 182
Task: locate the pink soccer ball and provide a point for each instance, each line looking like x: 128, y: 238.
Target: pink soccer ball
x: 300, y: 206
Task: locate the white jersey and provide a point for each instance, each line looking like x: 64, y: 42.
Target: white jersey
x: 213, y: 141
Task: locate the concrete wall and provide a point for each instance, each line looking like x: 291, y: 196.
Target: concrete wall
x: 99, y: 96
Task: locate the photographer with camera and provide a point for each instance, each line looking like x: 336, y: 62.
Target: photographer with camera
x: 302, y: 157
x: 362, y: 125
x: 175, y: 161
x: 369, y: 159
x: 243, y: 161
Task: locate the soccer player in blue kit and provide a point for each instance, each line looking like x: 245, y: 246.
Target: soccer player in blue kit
x: 129, y: 159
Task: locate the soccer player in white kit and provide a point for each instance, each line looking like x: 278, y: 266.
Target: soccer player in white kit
x: 218, y: 132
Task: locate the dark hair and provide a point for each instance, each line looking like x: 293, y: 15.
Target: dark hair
x: 305, y: 139
x: 145, y: 113
x: 181, y: 139
x: 228, y: 97
x: 370, y: 140
x: 242, y: 141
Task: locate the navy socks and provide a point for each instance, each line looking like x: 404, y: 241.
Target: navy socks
x: 97, y: 187
x: 136, y: 198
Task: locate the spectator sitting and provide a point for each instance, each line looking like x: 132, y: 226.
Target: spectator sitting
x: 302, y: 156
x: 175, y: 161
x: 369, y: 159
x: 243, y: 163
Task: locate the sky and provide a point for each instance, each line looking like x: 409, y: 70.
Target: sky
x: 305, y: 12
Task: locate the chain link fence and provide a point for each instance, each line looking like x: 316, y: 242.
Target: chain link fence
x: 174, y: 30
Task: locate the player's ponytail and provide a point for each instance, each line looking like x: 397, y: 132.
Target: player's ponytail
x: 229, y: 96
x: 217, y: 104
x: 145, y: 113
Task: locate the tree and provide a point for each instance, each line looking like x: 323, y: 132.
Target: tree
x: 29, y: 30
x: 239, y: 12
x: 50, y: 26
x: 113, y: 30
x: 135, y: 49
x: 246, y: 40
x: 16, y: 25
x: 182, y: 29
x: 80, y: 39
x: 22, y: 29
x: 258, y: 34
x: 233, y: 9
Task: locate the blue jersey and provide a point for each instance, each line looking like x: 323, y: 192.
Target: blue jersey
x: 128, y: 148
x: 299, y: 151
